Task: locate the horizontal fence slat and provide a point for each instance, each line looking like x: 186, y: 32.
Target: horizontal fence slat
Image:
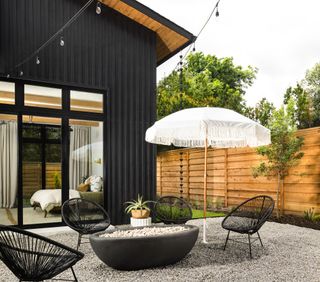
x: 230, y: 179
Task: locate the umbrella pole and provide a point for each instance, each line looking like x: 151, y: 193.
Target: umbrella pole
x: 205, y: 192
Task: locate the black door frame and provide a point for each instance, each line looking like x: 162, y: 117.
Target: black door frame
x: 65, y: 114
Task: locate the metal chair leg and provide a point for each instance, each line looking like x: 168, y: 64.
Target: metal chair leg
x: 79, y: 241
x: 249, y: 246
x: 74, y: 275
x: 260, y: 240
x: 225, y: 244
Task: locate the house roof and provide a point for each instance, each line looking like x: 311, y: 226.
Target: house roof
x: 171, y: 38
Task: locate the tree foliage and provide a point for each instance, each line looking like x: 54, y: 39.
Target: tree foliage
x: 262, y: 112
x: 312, y: 86
x: 206, y: 81
x: 285, y: 150
x: 306, y: 95
x: 302, y: 114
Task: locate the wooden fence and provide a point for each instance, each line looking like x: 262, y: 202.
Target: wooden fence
x: 32, y: 176
x: 230, y: 178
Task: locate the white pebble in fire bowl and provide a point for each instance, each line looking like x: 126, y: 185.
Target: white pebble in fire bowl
x: 143, y: 232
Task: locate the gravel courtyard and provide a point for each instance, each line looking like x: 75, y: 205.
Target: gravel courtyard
x: 291, y: 254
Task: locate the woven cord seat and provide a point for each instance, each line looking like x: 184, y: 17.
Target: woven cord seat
x: 32, y: 257
x: 172, y: 210
x: 85, y: 217
x: 248, y: 217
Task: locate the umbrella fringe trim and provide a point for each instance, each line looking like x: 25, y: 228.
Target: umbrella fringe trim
x: 201, y: 143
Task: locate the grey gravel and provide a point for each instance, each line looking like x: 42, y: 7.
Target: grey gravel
x: 291, y: 254
x: 144, y: 232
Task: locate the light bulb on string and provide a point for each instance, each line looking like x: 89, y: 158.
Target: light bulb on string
x: 98, y: 8
x: 21, y: 73
x: 8, y: 75
x: 37, y: 61
x: 217, y: 12
x: 194, y: 47
x: 61, y: 41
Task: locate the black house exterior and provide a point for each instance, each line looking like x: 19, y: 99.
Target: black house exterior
x: 113, y: 54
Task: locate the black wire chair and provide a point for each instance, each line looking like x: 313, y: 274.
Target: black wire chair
x: 248, y: 218
x: 172, y: 210
x: 32, y: 257
x: 85, y: 217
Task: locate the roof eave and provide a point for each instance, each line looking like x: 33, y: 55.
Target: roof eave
x: 190, y: 41
x: 161, y: 19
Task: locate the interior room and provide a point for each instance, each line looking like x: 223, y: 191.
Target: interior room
x: 41, y: 148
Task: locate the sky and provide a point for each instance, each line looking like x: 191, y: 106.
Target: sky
x: 280, y: 38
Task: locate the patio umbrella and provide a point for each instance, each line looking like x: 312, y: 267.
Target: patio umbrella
x: 205, y: 127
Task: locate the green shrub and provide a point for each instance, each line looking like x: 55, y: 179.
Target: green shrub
x: 310, y: 215
x: 57, y: 180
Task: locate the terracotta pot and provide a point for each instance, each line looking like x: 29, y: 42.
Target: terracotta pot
x: 140, y: 213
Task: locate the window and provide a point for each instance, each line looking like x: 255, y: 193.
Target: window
x: 7, y: 91
x: 44, y: 97
x: 86, y: 102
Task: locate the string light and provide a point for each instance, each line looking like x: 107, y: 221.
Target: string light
x: 61, y: 41
x: 215, y: 9
x: 98, y: 8
x: 180, y: 82
x: 58, y: 33
x: 37, y: 61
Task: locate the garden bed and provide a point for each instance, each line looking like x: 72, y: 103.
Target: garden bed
x: 296, y: 220
x: 199, y: 214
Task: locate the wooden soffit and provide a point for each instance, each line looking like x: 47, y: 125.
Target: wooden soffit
x: 171, y: 38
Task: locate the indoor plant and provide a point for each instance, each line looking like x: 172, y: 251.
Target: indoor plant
x: 138, y: 208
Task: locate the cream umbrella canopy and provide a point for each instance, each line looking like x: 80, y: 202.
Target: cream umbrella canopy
x: 207, y: 127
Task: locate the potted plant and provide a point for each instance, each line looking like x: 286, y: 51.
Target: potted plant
x: 138, y: 208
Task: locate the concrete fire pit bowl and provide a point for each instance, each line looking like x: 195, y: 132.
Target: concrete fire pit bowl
x: 136, y: 248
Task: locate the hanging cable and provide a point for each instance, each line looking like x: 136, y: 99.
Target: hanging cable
x: 180, y: 82
x: 215, y: 9
x: 52, y: 38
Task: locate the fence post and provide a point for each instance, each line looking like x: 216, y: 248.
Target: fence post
x: 160, y: 176
x: 187, y: 176
x: 226, y: 178
x: 281, y: 196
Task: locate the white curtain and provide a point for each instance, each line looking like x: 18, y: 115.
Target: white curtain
x: 80, y: 154
x: 8, y: 163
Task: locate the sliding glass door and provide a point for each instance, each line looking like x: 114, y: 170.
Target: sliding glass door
x: 41, y: 167
x: 51, y: 149
x: 86, y: 160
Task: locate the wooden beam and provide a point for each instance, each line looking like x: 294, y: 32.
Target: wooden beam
x: 7, y: 97
x: 47, y: 120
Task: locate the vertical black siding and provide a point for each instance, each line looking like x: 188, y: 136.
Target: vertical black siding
x: 106, y: 51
